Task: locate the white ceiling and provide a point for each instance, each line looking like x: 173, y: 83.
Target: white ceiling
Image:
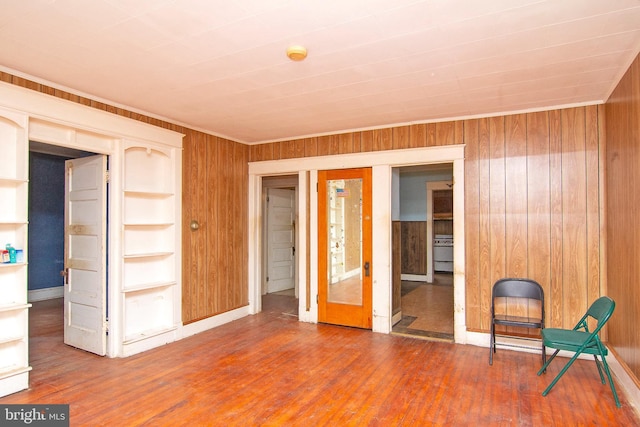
x: 220, y: 65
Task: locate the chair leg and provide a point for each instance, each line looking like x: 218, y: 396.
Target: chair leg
x: 613, y: 388
x: 561, y: 373
x: 492, y: 344
x: 544, y: 356
x: 544, y: 367
x: 599, y: 366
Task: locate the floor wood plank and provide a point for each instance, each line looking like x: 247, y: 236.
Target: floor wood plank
x: 270, y: 369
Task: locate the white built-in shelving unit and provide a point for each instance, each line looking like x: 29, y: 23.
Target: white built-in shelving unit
x: 14, y: 309
x: 149, y: 242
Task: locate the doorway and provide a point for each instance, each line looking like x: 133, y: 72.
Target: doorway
x: 280, y: 214
x: 424, y: 297
x: 384, y: 165
x: 48, y: 270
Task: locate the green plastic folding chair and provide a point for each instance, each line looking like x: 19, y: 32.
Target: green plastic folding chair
x: 580, y: 340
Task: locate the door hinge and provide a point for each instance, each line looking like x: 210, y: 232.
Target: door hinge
x: 317, y: 299
x: 106, y: 327
x: 107, y: 176
x: 267, y: 278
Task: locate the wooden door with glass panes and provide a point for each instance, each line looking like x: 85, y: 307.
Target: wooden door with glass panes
x: 344, y: 247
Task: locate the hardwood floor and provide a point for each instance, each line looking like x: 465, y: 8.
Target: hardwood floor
x: 427, y: 309
x: 270, y: 369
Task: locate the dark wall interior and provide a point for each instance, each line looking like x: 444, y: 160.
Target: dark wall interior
x: 46, y: 220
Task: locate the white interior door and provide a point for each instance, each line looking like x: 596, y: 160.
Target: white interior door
x: 85, y: 254
x: 280, y: 239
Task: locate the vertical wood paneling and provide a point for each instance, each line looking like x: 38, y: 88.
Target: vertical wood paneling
x: 538, y: 202
x: 555, y: 315
x: 278, y: 149
x: 308, y: 225
x: 325, y: 145
x: 516, y: 205
x: 383, y: 139
x: 431, y: 134
x: 516, y: 196
x: 445, y: 133
x: 472, y: 221
x: 345, y: 143
x: 366, y: 141
x: 311, y: 147
x: 414, y: 249
x: 418, y: 135
x: 396, y: 266
x: 292, y: 149
x: 261, y: 152
x: 497, y: 206
x: 239, y: 234
x: 357, y: 142
x: 335, y: 144
x: 209, y: 298
x: 574, y: 227
x: 225, y: 224
x: 200, y: 213
x: 484, y: 240
x: 622, y: 112
x: 401, y: 137
x: 592, y: 183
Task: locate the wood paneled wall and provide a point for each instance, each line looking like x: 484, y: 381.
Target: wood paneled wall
x: 396, y: 262
x: 414, y: 247
x: 532, y: 209
x: 215, y: 181
x: 413, y: 136
x: 214, y: 176
x: 623, y: 222
x: 532, y: 200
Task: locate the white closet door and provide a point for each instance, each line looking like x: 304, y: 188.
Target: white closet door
x: 85, y: 254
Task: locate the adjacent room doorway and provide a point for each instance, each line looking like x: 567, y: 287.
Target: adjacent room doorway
x: 83, y: 298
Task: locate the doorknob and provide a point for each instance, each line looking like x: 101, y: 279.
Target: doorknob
x: 366, y: 269
x: 65, y: 274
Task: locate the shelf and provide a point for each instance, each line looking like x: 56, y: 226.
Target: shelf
x: 12, y: 370
x: 15, y: 307
x: 7, y: 340
x: 147, y: 286
x: 12, y: 181
x: 12, y: 264
x: 148, y: 255
x: 147, y: 334
x: 146, y: 193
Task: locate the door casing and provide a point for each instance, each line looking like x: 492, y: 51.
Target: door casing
x: 382, y: 163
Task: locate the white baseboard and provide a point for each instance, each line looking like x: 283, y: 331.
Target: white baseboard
x: 214, y: 321
x: 625, y: 382
x: 396, y: 318
x: 45, y: 294
x: 414, y: 277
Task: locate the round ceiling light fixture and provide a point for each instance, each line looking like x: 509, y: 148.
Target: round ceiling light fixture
x: 296, y: 53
